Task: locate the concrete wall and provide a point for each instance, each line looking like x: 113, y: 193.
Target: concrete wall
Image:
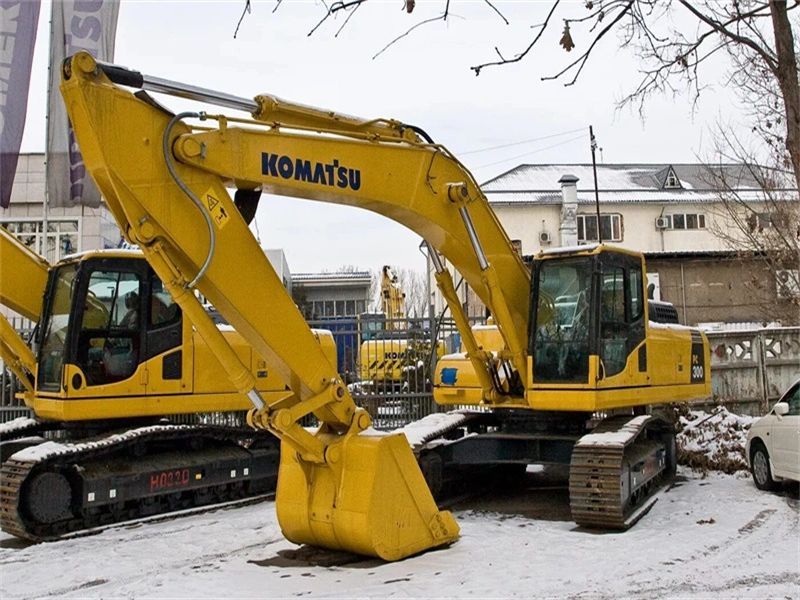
x: 724, y: 290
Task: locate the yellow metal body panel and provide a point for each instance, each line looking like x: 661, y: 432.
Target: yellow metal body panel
x: 365, y: 502
x: 157, y: 405
x: 389, y: 359
x: 23, y: 276
x: 204, y: 387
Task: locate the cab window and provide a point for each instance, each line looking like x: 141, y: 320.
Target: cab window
x: 613, y: 321
x: 110, y: 338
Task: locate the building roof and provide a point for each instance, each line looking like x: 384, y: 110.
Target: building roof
x: 631, y: 183
x: 344, y: 278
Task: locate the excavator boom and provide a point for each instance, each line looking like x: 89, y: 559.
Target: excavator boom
x: 336, y: 489
x: 23, y: 275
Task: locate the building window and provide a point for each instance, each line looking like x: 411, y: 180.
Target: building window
x: 337, y: 308
x: 761, y: 221
x: 62, y: 236
x: 672, y: 180
x: 611, y: 228
x: 685, y: 221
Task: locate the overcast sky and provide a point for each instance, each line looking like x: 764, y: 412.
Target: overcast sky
x: 423, y: 79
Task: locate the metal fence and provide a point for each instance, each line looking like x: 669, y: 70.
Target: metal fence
x: 12, y: 406
x: 388, y: 364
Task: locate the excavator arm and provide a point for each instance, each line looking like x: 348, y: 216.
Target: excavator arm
x: 336, y: 488
x: 23, y: 278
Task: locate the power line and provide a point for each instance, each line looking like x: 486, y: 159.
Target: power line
x: 546, y: 137
x: 575, y: 139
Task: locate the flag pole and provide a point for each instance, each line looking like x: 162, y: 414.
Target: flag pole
x: 47, y: 138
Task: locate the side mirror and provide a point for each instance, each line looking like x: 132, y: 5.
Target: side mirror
x: 781, y: 408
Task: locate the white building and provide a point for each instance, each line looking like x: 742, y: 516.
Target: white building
x: 645, y: 207
x: 68, y: 230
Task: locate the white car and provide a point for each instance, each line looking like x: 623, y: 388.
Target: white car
x: 773, y: 444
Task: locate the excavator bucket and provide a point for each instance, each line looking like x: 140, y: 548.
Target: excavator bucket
x: 370, y: 499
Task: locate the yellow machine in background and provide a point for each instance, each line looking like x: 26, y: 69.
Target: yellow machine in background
x: 164, y: 181
x: 395, y: 357
x: 112, y: 354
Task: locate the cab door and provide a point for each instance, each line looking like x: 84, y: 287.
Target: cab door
x: 167, y: 351
x: 105, y: 346
x: 622, y: 323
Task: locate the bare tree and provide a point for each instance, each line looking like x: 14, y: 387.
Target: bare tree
x: 759, y: 218
x: 764, y: 221
x: 415, y: 288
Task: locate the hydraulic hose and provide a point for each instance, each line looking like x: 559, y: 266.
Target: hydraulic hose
x: 168, y: 158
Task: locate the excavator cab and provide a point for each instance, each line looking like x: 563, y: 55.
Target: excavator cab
x: 589, y: 302
x: 95, y: 322
x: 108, y: 328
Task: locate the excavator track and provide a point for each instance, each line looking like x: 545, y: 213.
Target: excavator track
x: 617, y: 469
x: 53, y: 489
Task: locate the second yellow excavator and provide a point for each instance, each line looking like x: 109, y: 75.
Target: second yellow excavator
x: 395, y: 358
x: 111, y: 364
x: 564, y: 385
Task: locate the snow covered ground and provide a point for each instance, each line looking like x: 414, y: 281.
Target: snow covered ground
x: 709, y: 536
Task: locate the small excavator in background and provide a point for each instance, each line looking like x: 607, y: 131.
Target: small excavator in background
x: 112, y: 361
x: 566, y: 385
x: 396, y: 357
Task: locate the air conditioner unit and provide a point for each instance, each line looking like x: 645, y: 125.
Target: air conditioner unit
x: 662, y: 222
x: 544, y: 237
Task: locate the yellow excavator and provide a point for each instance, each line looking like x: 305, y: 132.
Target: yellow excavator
x: 395, y: 358
x: 343, y: 486
x: 112, y: 360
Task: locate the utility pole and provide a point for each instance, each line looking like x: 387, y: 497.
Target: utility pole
x: 596, y: 194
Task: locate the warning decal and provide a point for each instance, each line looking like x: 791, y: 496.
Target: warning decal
x: 218, y: 213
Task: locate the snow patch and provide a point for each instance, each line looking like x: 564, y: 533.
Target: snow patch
x: 713, y: 441
x: 18, y: 423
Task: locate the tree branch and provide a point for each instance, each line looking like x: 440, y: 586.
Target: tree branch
x: 519, y: 57
x: 723, y: 29
x: 441, y: 17
x: 585, y: 56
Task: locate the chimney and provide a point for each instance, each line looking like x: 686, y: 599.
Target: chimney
x: 568, y: 231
